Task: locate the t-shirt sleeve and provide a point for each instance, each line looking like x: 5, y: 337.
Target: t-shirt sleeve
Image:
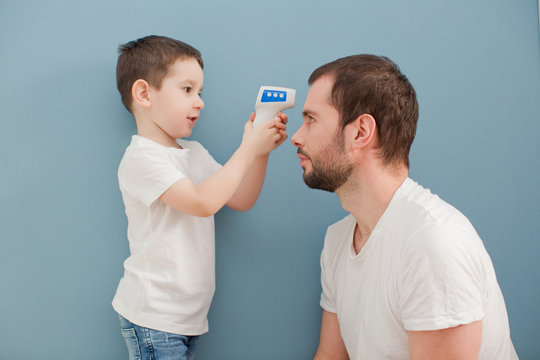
x: 211, y: 163
x: 146, y: 175
x: 328, y: 301
x: 441, y: 280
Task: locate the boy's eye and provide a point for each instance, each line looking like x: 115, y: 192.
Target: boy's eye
x: 187, y: 89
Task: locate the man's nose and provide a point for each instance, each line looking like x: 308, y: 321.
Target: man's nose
x: 297, y: 139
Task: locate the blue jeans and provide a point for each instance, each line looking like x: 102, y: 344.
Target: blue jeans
x: 148, y: 344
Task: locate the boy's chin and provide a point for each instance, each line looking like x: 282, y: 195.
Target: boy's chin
x: 183, y: 134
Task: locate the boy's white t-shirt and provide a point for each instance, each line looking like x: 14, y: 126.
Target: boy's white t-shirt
x: 169, y: 277
x: 423, y: 268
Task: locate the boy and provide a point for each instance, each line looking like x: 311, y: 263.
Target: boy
x: 171, y: 189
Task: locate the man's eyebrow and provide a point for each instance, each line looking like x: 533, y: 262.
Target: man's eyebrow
x: 308, y: 112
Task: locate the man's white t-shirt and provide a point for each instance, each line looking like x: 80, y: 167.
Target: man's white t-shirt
x: 169, y: 277
x: 423, y: 268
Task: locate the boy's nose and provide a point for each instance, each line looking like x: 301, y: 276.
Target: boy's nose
x: 199, y: 104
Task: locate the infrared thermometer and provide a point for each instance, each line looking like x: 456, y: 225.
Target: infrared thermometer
x: 270, y: 101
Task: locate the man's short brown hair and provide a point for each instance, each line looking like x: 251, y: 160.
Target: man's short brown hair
x: 149, y: 58
x: 369, y: 84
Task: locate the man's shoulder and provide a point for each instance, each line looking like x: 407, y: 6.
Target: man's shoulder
x: 424, y: 219
x: 339, y: 231
x: 342, y: 224
x: 419, y: 205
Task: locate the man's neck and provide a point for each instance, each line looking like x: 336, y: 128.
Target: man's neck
x: 367, y: 195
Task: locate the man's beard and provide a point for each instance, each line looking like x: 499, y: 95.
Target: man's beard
x: 330, y: 170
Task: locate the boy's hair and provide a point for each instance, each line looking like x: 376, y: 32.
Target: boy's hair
x: 149, y: 58
x: 369, y: 84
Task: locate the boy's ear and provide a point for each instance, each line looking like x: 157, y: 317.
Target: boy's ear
x: 362, y: 131
x: 140, y: 93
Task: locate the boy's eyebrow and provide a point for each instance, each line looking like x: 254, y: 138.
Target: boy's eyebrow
x: 189, y: 81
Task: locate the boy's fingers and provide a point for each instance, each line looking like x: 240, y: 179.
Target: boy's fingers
x: 270, y: 123
x: 284, y: 119
x: 281, y: 125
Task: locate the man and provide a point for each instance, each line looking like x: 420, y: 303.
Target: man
x: 404, y: 275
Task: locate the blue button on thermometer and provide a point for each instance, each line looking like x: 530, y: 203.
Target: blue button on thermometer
x: 274, y: 96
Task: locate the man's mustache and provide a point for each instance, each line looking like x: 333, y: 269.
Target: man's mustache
x: 300, y: 152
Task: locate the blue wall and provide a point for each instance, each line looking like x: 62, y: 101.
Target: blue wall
x: 475, y: 66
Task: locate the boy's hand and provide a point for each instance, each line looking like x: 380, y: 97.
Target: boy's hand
x: 265, y: 137
x: 281, y: 126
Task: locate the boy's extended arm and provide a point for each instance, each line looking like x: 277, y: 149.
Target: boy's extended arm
x: 248, y: 192
x: 210, y: 196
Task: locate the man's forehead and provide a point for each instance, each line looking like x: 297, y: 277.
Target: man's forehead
x: 319, y: 94
x: 323, y: 84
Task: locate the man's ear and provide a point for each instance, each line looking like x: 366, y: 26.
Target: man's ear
x: 362, y: 131
x: 140, y: 91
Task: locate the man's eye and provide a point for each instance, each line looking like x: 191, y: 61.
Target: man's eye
x: 310, y: 120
